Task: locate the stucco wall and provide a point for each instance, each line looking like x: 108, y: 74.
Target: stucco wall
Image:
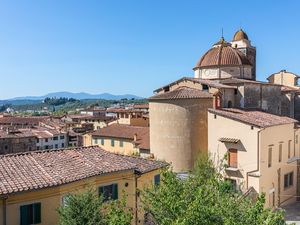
x: 51, y: 198
x: 219, y: 127
x: 271, y: 138
x: 178, y: 130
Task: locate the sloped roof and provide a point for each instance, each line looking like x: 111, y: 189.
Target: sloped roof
x: 126, y: 132
x: 253, y: 117
x: 182, y: 93
x: 222, y: 55
x: 43, y: 169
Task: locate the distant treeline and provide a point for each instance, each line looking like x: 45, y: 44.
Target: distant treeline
x: 59, y: 101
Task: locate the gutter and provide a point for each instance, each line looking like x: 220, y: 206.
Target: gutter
x: 4, y: 209
x: 257, y: 166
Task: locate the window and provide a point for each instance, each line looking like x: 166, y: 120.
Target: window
x: 121, y: 143
x: 30, y: 214
x: 288, y: 180
x: 96, y: 141
x: 235, y: 91
x: 46, y: 139
x: 55, y: 138
x: 289, y: 149
x: 280, y: 152
x: 157, y: 179
x: 62, y: 145
x: 37, y: 140
x: 56, y: 145
x: 270, y: 157
x: 205, y: 87
x: 5, y: 147
x: 64, y: 200
x: 109, y: 192
x: 112, y: 142
x: 102, y: 141
x: 46, y: 147
x: 62, y: 137
x: 232, y: 158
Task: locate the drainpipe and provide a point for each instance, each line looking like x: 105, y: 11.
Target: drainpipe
x: 137, y: 175
x: 257, y: 166
x: 4, y: 203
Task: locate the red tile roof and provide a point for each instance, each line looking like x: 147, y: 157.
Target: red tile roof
x: 253, y: 117
x: 182, y: 93
x: 126, y: 132
x: 211, y: 83
x: 43, y: 169
x: 222, y: 55
x: 24, y: 120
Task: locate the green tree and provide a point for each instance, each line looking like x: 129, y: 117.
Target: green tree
x: 87, y: 208
x: 204, y: 198
x: 81, y: 209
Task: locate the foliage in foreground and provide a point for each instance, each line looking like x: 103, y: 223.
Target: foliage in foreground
x: 205, y: 198
x: 87, y: 208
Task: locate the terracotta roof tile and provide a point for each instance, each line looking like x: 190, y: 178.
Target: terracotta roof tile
x: 222, y: 55
x: 211, y: 83
x: 126, y: 132
x: 253, y: 117
x: 42, y: 169
x: 182, y: 93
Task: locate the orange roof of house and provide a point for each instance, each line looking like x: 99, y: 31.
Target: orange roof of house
x: 253, y: 117
x: 182, y: 93
x: 126, y: 132
x: 43, y: 169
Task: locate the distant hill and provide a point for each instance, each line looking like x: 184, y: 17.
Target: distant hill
x: 79, y: 96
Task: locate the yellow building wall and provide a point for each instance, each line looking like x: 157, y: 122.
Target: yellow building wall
x: 271, y: 137
x: 219, y: 127
x: 127, y: 149
x: 51, y: 198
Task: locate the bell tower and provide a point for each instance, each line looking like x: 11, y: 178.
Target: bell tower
x: 242, y: 43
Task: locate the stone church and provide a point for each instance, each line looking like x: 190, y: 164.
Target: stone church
x: 224, y: 77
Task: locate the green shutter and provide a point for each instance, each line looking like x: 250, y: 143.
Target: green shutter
x: 24, y: 215
x: 157, y: 179
x: 115, y: 192
x: 37, y: 213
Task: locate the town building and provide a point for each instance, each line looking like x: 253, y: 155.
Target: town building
x: 256, y: 150
x: 134, y: 117
x: 120, y: 138
x: 224, y: 77
x: 43, y: 179
x: 13, y: 141
x: 47, y: 138
x: 77, y: 120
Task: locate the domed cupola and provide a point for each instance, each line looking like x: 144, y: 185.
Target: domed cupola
x: 240, y: 35
x: 222, y: 54
x: 223, y: 61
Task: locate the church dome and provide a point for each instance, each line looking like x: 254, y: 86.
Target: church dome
x: 240, y: 35
x: 222, y: 54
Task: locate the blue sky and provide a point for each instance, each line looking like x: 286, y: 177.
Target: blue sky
x: 133, y: 46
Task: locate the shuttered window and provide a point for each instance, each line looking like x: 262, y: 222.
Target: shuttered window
x: 109, y: 192
x: 280, y: 152
x: 30, y: 214
x: 232, y: 159
x: 157, y: 179
x: 289, y: 149
x: 270, y: 157
x: 288, y: 180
